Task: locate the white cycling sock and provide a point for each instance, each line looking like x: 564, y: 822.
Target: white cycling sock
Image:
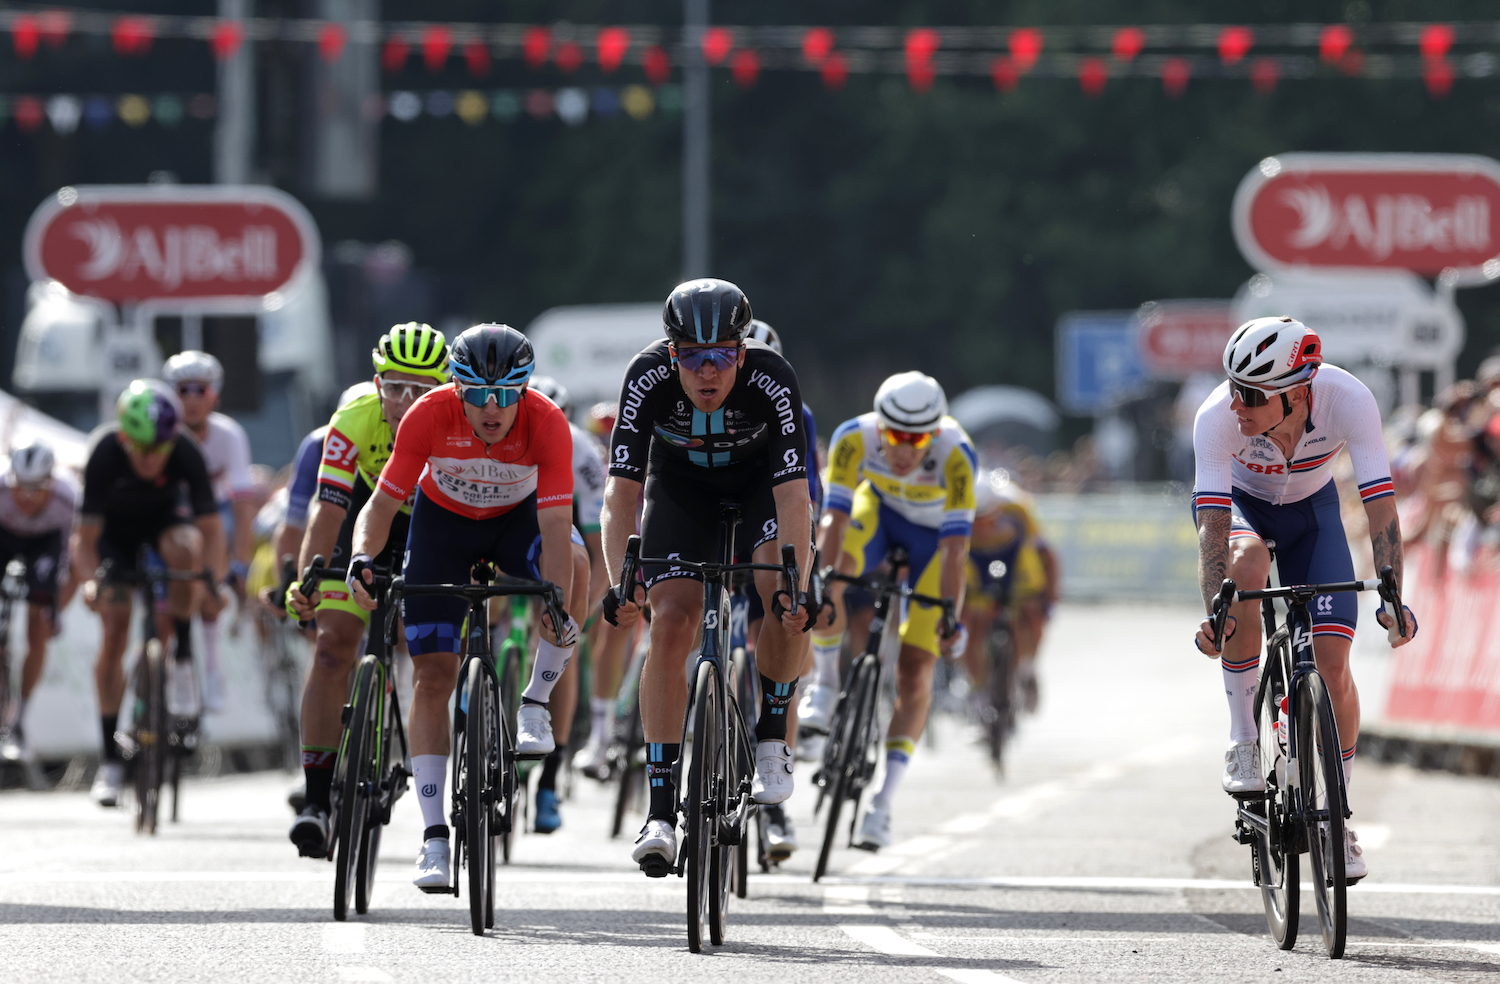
x: 429, y: 773
x: 1348, y: 756
x: 550, y: 662
x: 601, y: 710
x: 1239, y: 687
x: 826, y: 655
x: 898, y: 751
x: 210, y: 646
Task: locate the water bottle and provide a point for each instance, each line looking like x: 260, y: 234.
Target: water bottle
x: 1280, y: 727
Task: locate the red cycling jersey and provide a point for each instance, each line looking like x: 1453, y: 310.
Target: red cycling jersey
x: 436, y: 445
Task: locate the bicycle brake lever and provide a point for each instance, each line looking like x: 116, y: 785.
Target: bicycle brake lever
x: 1391, y: 599
x: 1221, y: 612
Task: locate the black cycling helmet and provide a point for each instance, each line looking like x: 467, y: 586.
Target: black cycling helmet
x: 702, y: 311
x: 491, y: 355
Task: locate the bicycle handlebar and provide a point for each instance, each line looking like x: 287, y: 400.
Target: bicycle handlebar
x: 875, y: 584
x: 551, y: 594
x: 1385, y: 584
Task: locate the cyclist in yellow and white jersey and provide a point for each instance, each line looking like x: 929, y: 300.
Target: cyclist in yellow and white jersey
x: 903, y: 474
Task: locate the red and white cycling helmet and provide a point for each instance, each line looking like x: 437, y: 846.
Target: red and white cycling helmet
x: 1271, y: 356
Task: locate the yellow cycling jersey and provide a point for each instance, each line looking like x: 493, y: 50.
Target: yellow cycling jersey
x: 355, y: 449
x: 937, y: 494
x: 1006, y: 523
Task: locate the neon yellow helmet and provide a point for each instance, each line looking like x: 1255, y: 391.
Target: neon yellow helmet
x: 415, y: 348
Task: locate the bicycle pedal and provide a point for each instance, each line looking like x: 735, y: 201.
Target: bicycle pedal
x: 531, y: 756
x: 872, y: 848
x: 655, y: 866
x: 1249, y: 795
x: 437, y: 889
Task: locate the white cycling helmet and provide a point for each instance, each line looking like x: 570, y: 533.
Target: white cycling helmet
x: 193, y: 366
x: 1272, y: 355
x: 911, y: 401
x: 762, y: 332
x: 30, y: 464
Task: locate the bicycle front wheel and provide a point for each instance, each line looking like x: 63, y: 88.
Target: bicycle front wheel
x: 353, y: 778
x: 1273, y: 851
x: 703, y: 807
x: 150, y: 727
x: 478, y: 848
x: 845, y: 752
x: 1321, y: 767
x: 510, y: 703
x: 1000, y: 708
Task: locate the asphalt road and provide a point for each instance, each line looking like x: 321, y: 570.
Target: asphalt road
x: 1103, y: 855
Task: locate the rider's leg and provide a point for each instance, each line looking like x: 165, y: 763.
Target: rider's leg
x: 1249, y: 565
x: 909, y: 720
x: 779, y: 653
x: 181, y: 548
x: 323, y: 697
x: 676, y: 610
x: 39, y: 619
x: 1332, y: 655
x: 109, y: 671
x: 434, y: 676
x: 608, y: 657
x: 978, y: 614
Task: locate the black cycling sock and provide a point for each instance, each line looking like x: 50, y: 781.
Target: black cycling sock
x: 660, y: 757
x: 107, y: 724
x: 550, y: 764
x: 317, y: 770
x: 775, y: 698
x: 184, y: 631
x: 438, y: 830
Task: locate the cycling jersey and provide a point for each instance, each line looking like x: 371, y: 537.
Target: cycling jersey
x: 41, y: 539
x: 438, y: 449
x: 304, y: 481
x: 55, y: 517
x: 937, y: 494
x: 1010, y: 535
x: 357, y: 445
x: 588, y: 480
x: 1341, y: 413
x: 758, y: 422
x: 112, y: 490
x: 226, y: 452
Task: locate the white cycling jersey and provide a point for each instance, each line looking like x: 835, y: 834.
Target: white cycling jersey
x: 588, y: 479
x: 1341, y: 413
x: 226, y: 451
x: 56, y: 516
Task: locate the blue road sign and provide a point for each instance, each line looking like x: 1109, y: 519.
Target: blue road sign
x: 1098, y: 362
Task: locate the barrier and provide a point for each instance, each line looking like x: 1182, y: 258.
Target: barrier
x: 1136, y: 542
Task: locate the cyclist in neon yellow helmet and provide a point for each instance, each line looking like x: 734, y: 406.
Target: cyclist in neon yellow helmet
x: 411, y: 361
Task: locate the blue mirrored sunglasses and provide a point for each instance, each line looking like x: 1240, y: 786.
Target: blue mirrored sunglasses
x: 504, y: 396
x: 720, y: 356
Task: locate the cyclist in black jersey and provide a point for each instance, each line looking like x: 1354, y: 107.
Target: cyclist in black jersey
x: 706, y: 419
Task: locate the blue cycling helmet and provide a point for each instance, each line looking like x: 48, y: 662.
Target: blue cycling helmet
x: 491, y: 355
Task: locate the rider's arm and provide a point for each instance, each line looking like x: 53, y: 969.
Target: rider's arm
x: 557, y: 548
x: 372, y: 527
x: 954, y: 557
x: 846, y: 451
x: 205, y: 509
x: 85, y: 547
x: 618, y: 521
x: 598, y: 573
x: 831, y: 529
x: 958, y: 521
x: 322, y: 535
x: 1053, y: 571
x: 1385, y: 534
x: 212, y: 528
x: 794, y: 524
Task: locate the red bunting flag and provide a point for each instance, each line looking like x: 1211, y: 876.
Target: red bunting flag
x: 613, y: 43
x: 437, y: 43
x: 226, y: 39
x: 331, y: 41
x: 816, y: 44
x: 1438, y: 75
x: 1093, y: 74
x: 132, y: 36
x: 657, y: 65
x: 29, y: 113
x: 1234, y: 43
x: 717, y: 43
x: 394, y: 55
x: 1435, y: 41
x: 24, y: 34
x: 569, y: 56
x: 921, y: 44
x: 1128, y: 43
x: 1264, y: 74
x: 477, y: 57
x: 745, y: 68
x: 1333, y: 41
x: 1004, y: 73
x: 835, y: 71
x: 536, y: 44
x: 1174, y: 76
x: 1026, y: 47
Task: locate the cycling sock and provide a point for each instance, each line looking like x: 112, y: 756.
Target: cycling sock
x: 211, y: 646
x: 660, y: 757
x: 599, y: 715
x: 551, y: 661
x: 429, y: 772
x: 550, y: 764
x: 826, y: 655
x: 897, y: 756
x: 183, y: 629
x: 1239, y: 687
x: 111, y: 748
x: 1348, y: 756
x: 317, y: 772
x: 775, y: 698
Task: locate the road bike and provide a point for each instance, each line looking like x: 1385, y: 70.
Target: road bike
x: 513, y: 662
x: 998, y: 705
x: 852, y: 750
x: 714, y: 772
x: 373, y: 762
x: 484, y: 758
x: 1304, y: 806
x: 13, y: 591
x: 626, y: 757
x: 283, y: 664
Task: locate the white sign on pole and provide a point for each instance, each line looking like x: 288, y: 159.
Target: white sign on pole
x: 587, y: 347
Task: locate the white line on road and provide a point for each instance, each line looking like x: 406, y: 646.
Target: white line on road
x: 886, y: 940
x: 344, y: 937
x: 975, y: 975
x: 370, y: 974
x: 847, y: 900
x: 1145, y: 884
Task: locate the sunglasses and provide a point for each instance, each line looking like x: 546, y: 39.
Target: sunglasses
x: 398, y: 390
x: 719, y: 356
x: 480, y: 396
x: 33, y: 487
x: 143, y: 450
x: 917, y: 439
x: 194, y: 389
x: 1249, y: 395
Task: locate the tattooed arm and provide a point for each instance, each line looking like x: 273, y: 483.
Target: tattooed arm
x: 1213, y: 552
x: 1385, y: 534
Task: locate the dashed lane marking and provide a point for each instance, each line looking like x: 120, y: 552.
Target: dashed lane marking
x: 344, y: 937
x: 886, y: 940
x: 975, y: 975
x: 367, y: 974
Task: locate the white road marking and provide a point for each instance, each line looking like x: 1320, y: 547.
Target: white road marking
x: 847, y: 900
x: 940, y: 938
x: 925, y: 844
x: 1135, y: 884
x: 878, y: 864
x: 976, y: 975
x: 886, y: 940
x: 364, y: 974
x: 344, y: 937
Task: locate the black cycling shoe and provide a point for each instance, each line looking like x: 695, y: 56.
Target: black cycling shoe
x: 310, y: 832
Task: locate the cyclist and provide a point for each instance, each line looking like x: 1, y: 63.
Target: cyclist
x: 409, y: 360
x: 1265, y: 442
x: 1009, y: 560
x: 144, y: 487
x: 588, y: 503
x: 198, y: 379
x: 900, y: 475
x: 488, y: 466
x: 37, y: 508
x: 705, y: 419
x: 781, y: 835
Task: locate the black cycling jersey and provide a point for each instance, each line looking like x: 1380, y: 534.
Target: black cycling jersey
x: 760, y: 421
x: 112, y: 490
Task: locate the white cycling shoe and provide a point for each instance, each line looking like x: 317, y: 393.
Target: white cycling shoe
x: 534, y: 730
x: 434, y: 866
x: 182, y: 689
x: 810, y: 746
x: 874, y: 828
x: 656, y: 848
x: 593, y: 760
x: 1242, y: 769
x: 815, y: 710
x: 107, y: 783
x: 781, y: 836
x: 773, y: 772
x: 1354, y: 860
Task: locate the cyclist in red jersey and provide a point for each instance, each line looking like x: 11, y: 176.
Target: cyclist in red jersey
x: 492, y: 465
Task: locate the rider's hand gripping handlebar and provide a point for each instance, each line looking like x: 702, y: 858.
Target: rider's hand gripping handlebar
x: 792, y: 592
x: 1390, y: 603
x: 624, y: 591
x: 311, y: 578
x: 1220, y: 613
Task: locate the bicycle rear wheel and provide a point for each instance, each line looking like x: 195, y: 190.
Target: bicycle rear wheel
x: 845, y: 752
x: 478, y: 848
x: 631, y: 771
x: 150, y: 727
x: 353, y: 779
x: 1321, y: 768
x: 1000, y: 710
x: 510, y: 703
x: 1272, y: 854
x: 702, y: 806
